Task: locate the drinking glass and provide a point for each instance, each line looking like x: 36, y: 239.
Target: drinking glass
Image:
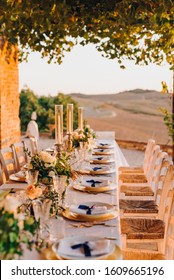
x: 56, y: 228
x: 59, y: 184
x: 41, y: 212
x: 32, y: 176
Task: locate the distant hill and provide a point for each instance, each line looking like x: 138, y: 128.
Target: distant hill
x: 135, y: 101
x: 133, y: 115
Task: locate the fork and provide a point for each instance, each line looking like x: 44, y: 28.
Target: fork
x: 91, y: 224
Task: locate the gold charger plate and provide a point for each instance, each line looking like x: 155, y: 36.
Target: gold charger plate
x: 102, y: 161
x: 86, y: 218
x: 49, y: 254
x: 104, y: 146
x: 104, y: 152
x: 104, y: 170
x: 97, y: 172
x: 95, y: 189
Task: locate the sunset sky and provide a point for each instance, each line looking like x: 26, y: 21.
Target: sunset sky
x: 84, y: 70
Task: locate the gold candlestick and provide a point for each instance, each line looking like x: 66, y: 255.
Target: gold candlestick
x: 69, y: 141
x: 58, y: 150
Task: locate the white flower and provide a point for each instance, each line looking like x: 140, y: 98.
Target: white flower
x: 47, y: 158
x: 11, y: 203
x: 87, y: 126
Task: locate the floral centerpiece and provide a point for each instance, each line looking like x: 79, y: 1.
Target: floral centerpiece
x: 86, y: 135
x: 45, y: 164
x: 16, y: 228
x: 48, y: 167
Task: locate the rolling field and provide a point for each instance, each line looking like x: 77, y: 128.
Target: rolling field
x: 133, y: 115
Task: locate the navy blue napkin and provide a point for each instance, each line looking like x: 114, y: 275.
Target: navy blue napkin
x: 99, y: 158
x: 93, y: 182
x: 85, y: 207
x: 96, y: 168
x: 85, y: 246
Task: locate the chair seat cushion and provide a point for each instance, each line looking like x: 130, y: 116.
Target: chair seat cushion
x: 133, y: 178
x: 140, y: 228
x: 133, y: 255
x: 138, y: 206
x: 136, y: 190
x: 130, y: 169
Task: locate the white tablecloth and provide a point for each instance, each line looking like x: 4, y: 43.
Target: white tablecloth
x: 79, y: 197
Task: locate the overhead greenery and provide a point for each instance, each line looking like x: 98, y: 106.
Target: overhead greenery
x: 135, y: 29
x: 44, y: 107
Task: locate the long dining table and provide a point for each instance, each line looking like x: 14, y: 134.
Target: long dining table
x: 109, y: 229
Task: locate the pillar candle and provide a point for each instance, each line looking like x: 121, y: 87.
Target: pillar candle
x: 59, y: 123
x: 69, y: 118
x: 80, y: 118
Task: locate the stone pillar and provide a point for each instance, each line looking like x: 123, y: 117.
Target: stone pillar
x: 9, y: 95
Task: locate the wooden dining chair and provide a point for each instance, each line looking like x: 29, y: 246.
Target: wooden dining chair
x: 135, y: 190
x: 19, y: 155
x: 34, y: 145
x: 145, y: 176
x: 149, y: 207
x: 144, y: 230
x: 7, y: 162
x: 140, y: 169
x: 159, y: 250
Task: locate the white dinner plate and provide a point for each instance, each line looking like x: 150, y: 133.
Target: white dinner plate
x: 72, y: 247
x: 91, y: 182
x: 95, y: 189
x: 98, y: 170
x: 102, y: 159
x: 101, y: 145
x: 103, y: 152
x: 96, y: 208
x: 13, y: 177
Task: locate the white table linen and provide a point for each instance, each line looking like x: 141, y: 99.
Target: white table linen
x: 74, y: 196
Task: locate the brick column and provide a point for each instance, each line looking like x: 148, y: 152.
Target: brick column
x: 9, y: 95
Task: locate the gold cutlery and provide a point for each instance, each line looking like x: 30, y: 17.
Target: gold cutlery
x: 91, y: 224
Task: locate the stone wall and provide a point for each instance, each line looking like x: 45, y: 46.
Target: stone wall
x: 9, y: 95
x: 141, y: 146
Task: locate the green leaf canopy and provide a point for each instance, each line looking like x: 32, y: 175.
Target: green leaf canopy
x: 139, y: 30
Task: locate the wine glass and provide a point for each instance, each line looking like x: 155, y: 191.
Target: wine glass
x: 42, y: 212
x: 59, y: 185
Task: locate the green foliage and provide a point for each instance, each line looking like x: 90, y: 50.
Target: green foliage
x: 169, y: 122
x: 28, y: 104
x: 168, y: 116
x: 133, y: 29
x: 45, y: 108
x: 14, y: 230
